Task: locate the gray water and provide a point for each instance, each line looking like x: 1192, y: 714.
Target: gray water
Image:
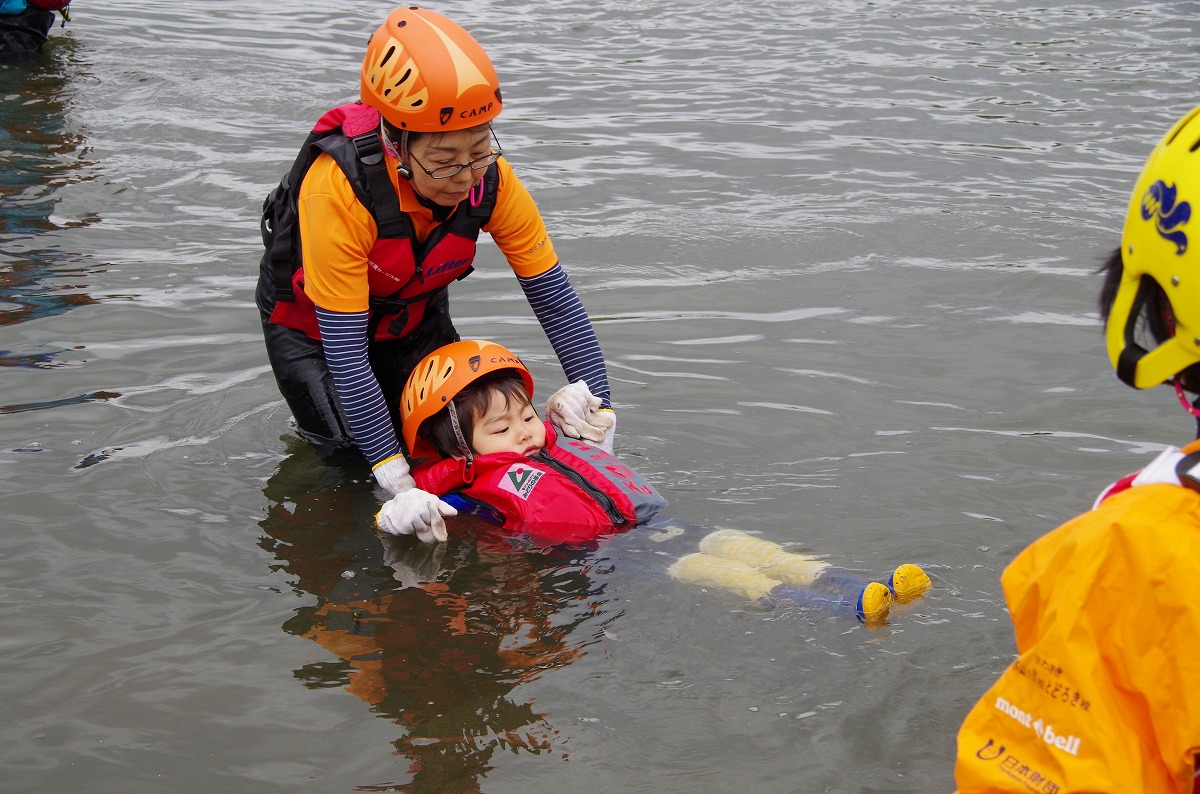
x: 840, y: 257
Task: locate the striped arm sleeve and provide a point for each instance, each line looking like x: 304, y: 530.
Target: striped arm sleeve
x: 566, y: 324
x: 344, y: 338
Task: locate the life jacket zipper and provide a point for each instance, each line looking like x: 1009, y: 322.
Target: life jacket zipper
x: 604, y: 500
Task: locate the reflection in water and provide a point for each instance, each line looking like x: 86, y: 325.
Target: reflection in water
x: 434, y: 639
x: 95, y: 396
x: 10, y: 358
x: 40, y: 154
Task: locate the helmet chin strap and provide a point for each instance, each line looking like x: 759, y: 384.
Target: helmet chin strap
x: 403, y: 169
x: 458, y: 434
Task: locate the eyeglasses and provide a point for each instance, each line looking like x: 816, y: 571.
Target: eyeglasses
x: 478, y: 164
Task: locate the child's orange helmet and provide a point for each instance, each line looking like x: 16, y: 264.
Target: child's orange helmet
x: 424, y: 73
x: 441, y: 375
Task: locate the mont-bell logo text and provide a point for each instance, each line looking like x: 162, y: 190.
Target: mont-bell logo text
x: 520, y: 479
x: 1044, y: 731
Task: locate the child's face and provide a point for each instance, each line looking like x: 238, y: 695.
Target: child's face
x: 515, y: 428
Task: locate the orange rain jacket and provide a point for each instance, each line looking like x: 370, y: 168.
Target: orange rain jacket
x: 1101, y: 697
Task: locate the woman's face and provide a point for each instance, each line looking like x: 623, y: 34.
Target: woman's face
x: 431, y: 152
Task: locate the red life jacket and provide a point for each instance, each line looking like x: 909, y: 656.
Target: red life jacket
x: 403, y: 274
x: 570, y: 492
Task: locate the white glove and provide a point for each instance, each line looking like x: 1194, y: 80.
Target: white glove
x: 415, y: 512
x: 577, y: 413
x: 392, y: 475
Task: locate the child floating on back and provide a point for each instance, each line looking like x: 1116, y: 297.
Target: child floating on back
x: 468, y: 421
x: 471, y: 429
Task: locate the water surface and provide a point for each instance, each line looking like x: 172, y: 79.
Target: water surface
x: 840, y: 259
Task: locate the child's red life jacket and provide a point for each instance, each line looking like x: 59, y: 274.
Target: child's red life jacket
x: 570, y: 492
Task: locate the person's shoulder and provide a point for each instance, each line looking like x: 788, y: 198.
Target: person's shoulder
x: 324, y: 176
x: 504, y: 168
x: 327, y: 184
x: 509, y: 185
x: 1150, y: 510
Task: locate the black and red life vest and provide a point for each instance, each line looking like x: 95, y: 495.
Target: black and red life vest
x: 570, y: 492
x: 403, y: 274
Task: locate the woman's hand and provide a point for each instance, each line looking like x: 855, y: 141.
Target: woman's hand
x: 415, y: 512
x: 577, y: 414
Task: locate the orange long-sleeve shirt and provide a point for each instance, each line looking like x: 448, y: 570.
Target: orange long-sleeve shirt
x: 337, y: 232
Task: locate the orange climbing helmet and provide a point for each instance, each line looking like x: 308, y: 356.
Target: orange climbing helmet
x: 424, y: 73
x: 441, y: 375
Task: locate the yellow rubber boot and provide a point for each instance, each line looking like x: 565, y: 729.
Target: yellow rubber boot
x: 874, y: 604
x: 909, y: 582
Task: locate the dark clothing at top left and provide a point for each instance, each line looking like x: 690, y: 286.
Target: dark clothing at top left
x: 22, y: 35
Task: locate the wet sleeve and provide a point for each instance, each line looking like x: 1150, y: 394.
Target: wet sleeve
x: 567, y: 326
x: 344, y: 338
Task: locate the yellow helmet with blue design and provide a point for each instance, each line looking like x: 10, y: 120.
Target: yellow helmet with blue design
x: 1160, y: 251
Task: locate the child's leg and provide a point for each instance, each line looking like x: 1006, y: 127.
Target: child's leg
x: 709, y: 571
x: 906, y: 583
x: 868, y: 603
x: 768, y: 557
x: 839, y: 580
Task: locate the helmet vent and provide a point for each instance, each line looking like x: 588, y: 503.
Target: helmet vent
x: 1195, y: 146
x: 387, y: 57
x: 403, y: 78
